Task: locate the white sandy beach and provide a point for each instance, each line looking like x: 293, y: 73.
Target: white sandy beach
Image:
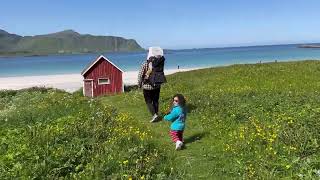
x: 67, y: 82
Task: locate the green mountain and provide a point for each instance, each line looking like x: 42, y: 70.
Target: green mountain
x: 8, y: 41
x: 64, y: 42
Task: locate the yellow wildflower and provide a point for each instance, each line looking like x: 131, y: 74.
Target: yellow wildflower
x: 125, y: 162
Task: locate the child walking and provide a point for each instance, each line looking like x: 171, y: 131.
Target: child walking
x: 177, y: 116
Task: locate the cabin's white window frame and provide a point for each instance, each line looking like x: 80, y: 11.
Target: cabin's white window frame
x: 103, y: 83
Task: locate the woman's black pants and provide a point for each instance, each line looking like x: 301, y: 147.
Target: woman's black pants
x: 151, y: 98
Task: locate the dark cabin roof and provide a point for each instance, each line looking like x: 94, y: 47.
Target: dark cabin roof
x: 90, y: 65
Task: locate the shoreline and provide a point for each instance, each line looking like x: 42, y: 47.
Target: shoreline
x: 309, y: 46
x: 67, y: 82
x: 298, y: 45
x: 64, y: 54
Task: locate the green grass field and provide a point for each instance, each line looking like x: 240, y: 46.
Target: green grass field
x: 245, y: 122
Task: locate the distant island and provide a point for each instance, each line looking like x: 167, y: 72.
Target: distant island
x: 64, y: 42
x: 310, y: 46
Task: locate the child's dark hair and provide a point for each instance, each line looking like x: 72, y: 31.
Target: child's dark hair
x: 182, y: 100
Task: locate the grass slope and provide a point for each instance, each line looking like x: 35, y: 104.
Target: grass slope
x: 245, y: 121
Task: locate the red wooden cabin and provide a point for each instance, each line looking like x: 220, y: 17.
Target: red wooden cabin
x: 102, y: 77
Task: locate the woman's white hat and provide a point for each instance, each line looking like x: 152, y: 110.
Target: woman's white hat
x: 155, y: 51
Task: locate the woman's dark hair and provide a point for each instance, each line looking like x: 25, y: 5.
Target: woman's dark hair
x: 182, y: 100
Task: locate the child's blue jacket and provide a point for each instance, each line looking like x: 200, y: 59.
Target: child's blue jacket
x: 177, y: 116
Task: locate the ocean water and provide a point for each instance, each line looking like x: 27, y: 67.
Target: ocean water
x: 192, y: 58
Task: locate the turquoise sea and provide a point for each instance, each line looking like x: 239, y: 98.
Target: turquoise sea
x: 191, y: 58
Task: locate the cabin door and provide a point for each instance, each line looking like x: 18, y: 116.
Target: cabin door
x: 88, y: 88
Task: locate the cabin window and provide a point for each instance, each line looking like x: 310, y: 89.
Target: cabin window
x: 102, y: 81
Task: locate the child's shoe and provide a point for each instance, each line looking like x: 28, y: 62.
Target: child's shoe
x: 179, y: 145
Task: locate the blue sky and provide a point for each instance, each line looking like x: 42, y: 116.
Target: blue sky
x: 172, y: 24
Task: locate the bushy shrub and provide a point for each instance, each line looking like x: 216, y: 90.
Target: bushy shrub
x: 54, y: 134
